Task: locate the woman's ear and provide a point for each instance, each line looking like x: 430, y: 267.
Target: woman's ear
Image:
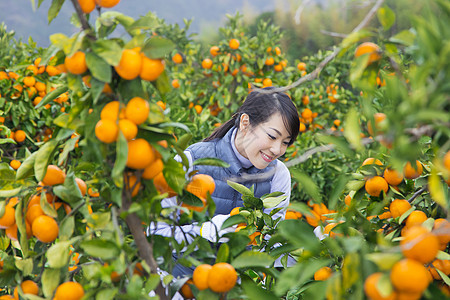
x: 244, y: 122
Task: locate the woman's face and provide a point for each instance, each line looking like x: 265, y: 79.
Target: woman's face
x: 263, y: 143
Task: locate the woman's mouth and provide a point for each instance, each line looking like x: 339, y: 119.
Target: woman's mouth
x: 266, y: 157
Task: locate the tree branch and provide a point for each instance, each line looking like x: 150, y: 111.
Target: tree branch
x: 82, y: 17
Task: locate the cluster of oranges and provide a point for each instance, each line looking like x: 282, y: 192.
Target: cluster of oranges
x: 220, y: 277
x: 200, y: 185
x: 67, y: 290
x: 87, y: 6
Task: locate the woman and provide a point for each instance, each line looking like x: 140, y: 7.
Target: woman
x: 250, y: 142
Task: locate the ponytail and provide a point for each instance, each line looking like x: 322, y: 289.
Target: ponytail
x: 222, y: 130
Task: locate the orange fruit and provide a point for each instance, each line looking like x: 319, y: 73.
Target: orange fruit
x: 375, y: 185
x: 177, y: 58
x: 137, y: 110
x: 301, y: 66
x: 371, y: 288
x: 323, y: 273
x: 53, y: 71
x: 442, y: 265
x: 40, y: 86
x: 76, y: 64
x: 441, y: 229
x: 290, y: 215
x: 234, y: 44
x: 106, y: 131
x: 151, y: 68
x: 267, y: 82
x: 419, y: 244
x: 198, y: 108
x: 33, y: 212
x: 45, y: 229
x: 348, y: 200
x: 409, y: 276
x: 130, y: 64
x: 222, y: 277
x: 54, y: 176
x: 398, y: 207
x: 371, y: 49
x: 28, y: 287
x: 392, y: 177
x: 20, y: 136
x: 110, y: 111
x: 207, y: 63
x: 107, y: 3
x: 175, y: 83
x: 8, y: 219
x: 11, y: 232
x: 200, y: 276
x: 186, y: 291
x: 411, y: 172
x: 269, y: 61
x: 312, y: 218
x: 446, y: 160
x: 140, y: 154
x: 153, y: 169
x: 372, y: 161
x: 378, y: 118
x: 81, y: 185
x: 29, y: 81
x: 128, y: 129
x: 161, y: 104
x: 132, y: 183
x: 15, y: 164
x: 162, y: 186
x: 200, y: 185
x: 234, y: 211
x: 6, y: 297
x: 214, y: 50
x: 69, y: 290
x: 417, y: 217
x: 87, y: 6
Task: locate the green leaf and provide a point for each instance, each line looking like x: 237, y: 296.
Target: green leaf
x: 340, y: 144
x: 223, y: 253
x: 233, y: 220
x: 240, y: 188
x: 307, y: 184
x: 273, y: 201
x: 66, y: 228
x: 354, y: 37
x: 25, y: 265
x: 109, y: 50
x: 157, y: 47
x: 54, y: 9
x: 9, y: 193
x: 50, y: 280
x: 100, y: 248
x: 121, y: 160
x: 350, y: 270
x: 26, y: 167
x: 299, y: 233
x: 385, y: 260
x: 252, y: 202
x: 58, y: 255
x: 106, y: 294
x: 253, y: 259
x: 68, y: 147
x: 98, y: 67
x: 211, y: 161
x: 352, y: 129
x: 253, y: 291
x: 184, y: 140
x: 437, y: 189
x: 405, y: 37
x: 42, y: 159
x: 52, y: 95
x: 386, y: 17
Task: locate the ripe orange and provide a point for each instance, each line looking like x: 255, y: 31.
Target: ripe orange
x: 392, y: 176
x: 11, y: 232
x: 53, y: 71
x: 398, y: 207
x: 87, y: 6
x: 151, y: 68
x: 234, y: 44
x: 375, y: 185
x: 28, y: 287
x: 15, y: 164
x: 222, y: 277
x: 130, y: 64
x: 269, y: 61
x: 200, y: 185
x: 441, y: 229
x: 410, y: 276
x: 200, y: 276
x: 6, y: 297
x: 153, y: 169
x: 20, y: 136
x: 417, y: 217
x: 378, y: 118
x: 76, y: 64
x: 214, y: 50
x: 107, y: 3
x: 371, y: 288
x: 8, y: 218
x: 110, y: 111
x: 323, y: 273
x: 372, y: 161
x: 312, y: 218
x: 132, y: 183
x: 373, y: 50
x: 267, y: 82
x: 33, y: 211
x: 29, y: 81
x: 69, y: 290
x: 175, y: 83
x: 81, y: 185
x: 40, y: 86
x: 290, y: 215
x: 137, y: 110
x: 45, y: 229
x: 177, y: 58
x: 162, y: 186
x: 301, y: 66
x: 442, y: 265
x: 140, y: 154
x: 348, y: 200
x: 419, y: 244
x: 198, y: 108
x: 128, y: 129
x: 207, y: 63
x: 411, y: 172
x: 54, y: 176
x: 446, y: 161
x: 186, y: 291
x: 106, y: 131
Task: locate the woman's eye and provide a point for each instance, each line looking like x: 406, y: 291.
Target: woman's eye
x: 271, y: 137
x: 286, y: 143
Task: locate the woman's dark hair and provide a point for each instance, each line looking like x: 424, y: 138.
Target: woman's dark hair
x: 260, y: 107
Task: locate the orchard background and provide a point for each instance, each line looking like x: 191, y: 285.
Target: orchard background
x: 90, y: 126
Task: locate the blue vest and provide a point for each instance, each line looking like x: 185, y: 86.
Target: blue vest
x: 225, y: 197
